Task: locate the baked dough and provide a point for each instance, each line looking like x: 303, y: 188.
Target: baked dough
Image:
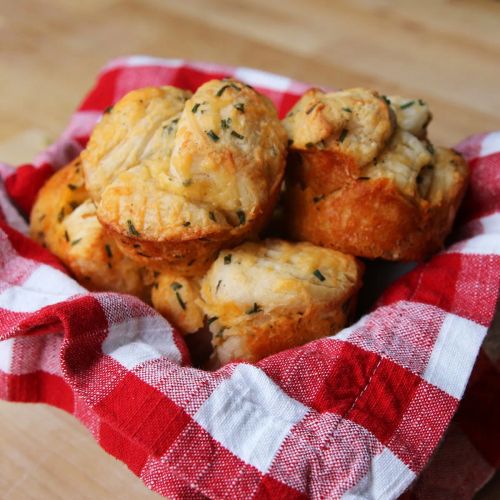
x: 177, y: 178
x: 261, y: 298
x: 177, y: 298
x: 376, y: 189
x: 64, y: 220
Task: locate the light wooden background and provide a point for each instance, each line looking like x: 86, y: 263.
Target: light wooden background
x: 446, y: 52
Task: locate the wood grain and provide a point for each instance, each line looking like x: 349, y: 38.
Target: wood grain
x: 446, y: 52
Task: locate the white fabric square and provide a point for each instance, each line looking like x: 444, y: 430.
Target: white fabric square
x: 490, y: 144
x: 44, y: 287
x: 250, y: 415
x: 387, y: 478
x: 137, y: 340
x: 454, y: 354
x: 6, y: 348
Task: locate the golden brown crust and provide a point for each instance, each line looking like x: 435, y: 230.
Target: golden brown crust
x: 273, y: 295
x: 63, y: 192
x: 64, y: 220
x: 210, y: 183
x: 398, y: 204
x: 373, y: 218
x: 176, y: 298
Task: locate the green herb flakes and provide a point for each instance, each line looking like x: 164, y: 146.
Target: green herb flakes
x: 407, y: 105
x: 221, y: 90
x: 318, y: 275
x: 235, y: 134
x: 212, y: 135
x: 343, y: 135
x: 211, y: 320
x: 179, y: 299
x: 131, y: 228
x: 241, y: 217
x: 255, y: 309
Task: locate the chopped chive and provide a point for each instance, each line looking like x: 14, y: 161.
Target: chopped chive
x: 108, y: 109
x: 194, y: 109
x: 255, y: 309
x: 407, y: 104
x: 40, y: 219
x: 74, y: 204
x: 430, y: 148
x: 66, y: 236
x: 218, y: 285
x: 318, y: 198
x: 187, y: 182
x: 347, y: 110
x: 212, y: 135
x: 343, y: 135
x: 318, y: 275
x: 211, y: 320
x: 175, y: 286
x: 60, y: 215
x: 386, y: 99
x: 155, y: 285
x: 227, y: 259
x: 310, y: 110
x: 186, y: 224
x: 72, y: 187
x: 235, y: 134
x: 290, y: 142
x: 173, y: 122
x: 221, y: 90
x: 108, y: 251
x: 156, y: 274
x: 422, y: 103
x: 309, y: 145
x: 75, y: 242
x: 241, y: 216
x: 212, y: 216
x: 363, y: 178
x: 240, y: 107
x: 221, y: 331
x: 232, y: 84
x: 225, y: 124
x: 131, y: 228
x: 179, y: 299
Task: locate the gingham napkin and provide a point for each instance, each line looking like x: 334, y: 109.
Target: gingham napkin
x: 357, y: 415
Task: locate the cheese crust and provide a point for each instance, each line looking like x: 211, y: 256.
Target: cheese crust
x: 64, y: 220
x: 396, y: 203
x: 261, y: 298
x: 177, y: 177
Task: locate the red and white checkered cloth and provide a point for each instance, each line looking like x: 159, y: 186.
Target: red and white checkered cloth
x: 357, y: 415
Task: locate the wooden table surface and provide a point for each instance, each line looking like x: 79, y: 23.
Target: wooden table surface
x: 446, y: 52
